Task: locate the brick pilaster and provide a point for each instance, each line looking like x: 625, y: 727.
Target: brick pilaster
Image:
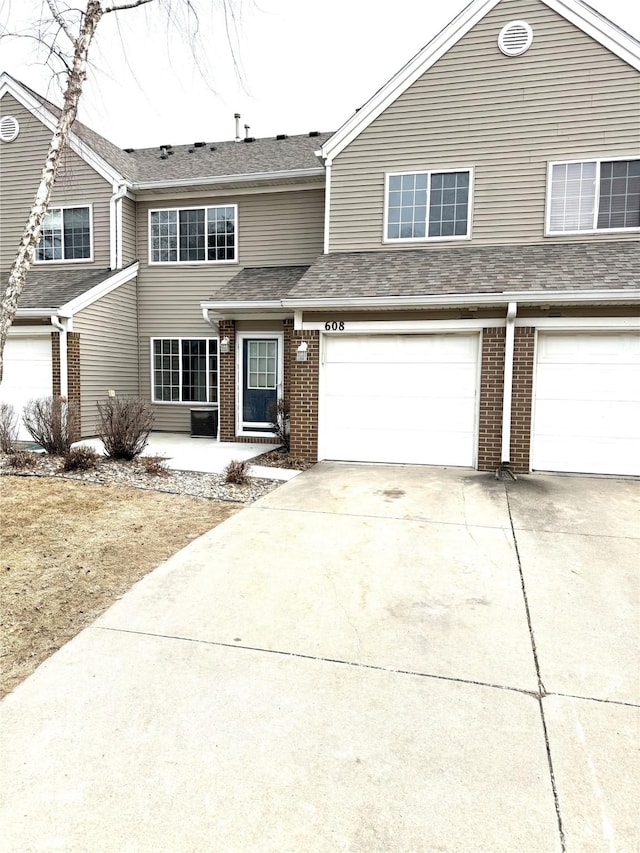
x: 227, y: 373
x: 491, y: 393
x: 303, y: 395
x: 522, y: 398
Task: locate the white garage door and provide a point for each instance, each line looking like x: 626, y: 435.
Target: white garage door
x: 587, y: 404
x: 399, y: 398
x: 27, y: 373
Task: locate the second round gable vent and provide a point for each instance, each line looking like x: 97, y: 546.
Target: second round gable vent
x: 9, y: 128
x: 515, y: 38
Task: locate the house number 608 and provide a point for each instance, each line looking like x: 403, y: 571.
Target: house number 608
x: 334, y: 326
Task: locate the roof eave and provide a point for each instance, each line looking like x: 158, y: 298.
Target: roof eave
x: 287, y: 174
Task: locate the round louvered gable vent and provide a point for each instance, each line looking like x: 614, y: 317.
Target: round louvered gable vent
x: 515, y: 38
x: 9, y: 128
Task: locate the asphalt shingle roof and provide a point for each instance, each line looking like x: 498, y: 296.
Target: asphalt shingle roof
x: 52, y: 288
x: 255, y: 284
x: 598, y: 265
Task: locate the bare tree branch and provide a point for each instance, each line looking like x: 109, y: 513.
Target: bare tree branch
x: 132, y: 5
x: 59, y: 19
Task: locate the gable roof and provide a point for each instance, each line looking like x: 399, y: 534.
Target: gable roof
x: 576, y: 12
x: 201, y: 162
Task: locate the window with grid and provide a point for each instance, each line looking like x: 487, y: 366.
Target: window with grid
x: 262, y: 365
x: 185, y: 370
x: 65, y: 235
x: 424, y: 205
x: 193, y: 235
x: 594, y: 195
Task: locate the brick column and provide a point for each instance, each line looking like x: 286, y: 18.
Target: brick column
x: 491, y: 392
x: 521, y: 406
x: 55, y: 364
x: 73, y: 382
x: 303, y: 395
x: 227, y: 373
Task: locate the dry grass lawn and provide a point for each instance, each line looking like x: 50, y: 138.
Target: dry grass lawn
x: 69, y: 549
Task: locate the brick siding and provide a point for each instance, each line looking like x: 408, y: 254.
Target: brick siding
x: 73, y: 376
x: 491, y: 395
x: 303, y: 396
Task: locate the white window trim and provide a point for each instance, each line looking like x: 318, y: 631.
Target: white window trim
x: 88, y: 260
x: 240, y: 338
x: 427, y: 239
x: 191, y: 263
x: 190, y: 403
x: 597, y: 160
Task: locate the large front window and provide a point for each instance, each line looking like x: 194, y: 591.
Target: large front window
x: 428, y: 205
x: 594, y: 195
x: 185, y: 370
x: 65, y: 235
x: 193, y: 235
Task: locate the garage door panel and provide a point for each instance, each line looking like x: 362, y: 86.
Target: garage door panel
x: 26, y: 374
x: 400, y: 399
x: 587, y: 403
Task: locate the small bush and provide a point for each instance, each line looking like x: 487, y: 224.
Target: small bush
x: 8, y: 428
x: 236, y: 472
x: 124, y: 426
x: 50, y: 421
x: 154, y: 465
x: 80, y: 459
x: 279, y: 419
x: 23, y: 460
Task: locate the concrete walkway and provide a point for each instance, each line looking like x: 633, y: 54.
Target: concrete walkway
x: 371, y: 658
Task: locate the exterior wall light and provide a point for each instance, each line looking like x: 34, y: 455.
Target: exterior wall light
x: 224, y: 345
x: 301, y: 352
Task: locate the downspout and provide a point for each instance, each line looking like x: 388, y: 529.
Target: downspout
x: 327, y: 206
x: 210, y: 322
x: 505, y: 456
x: 216, y: 328
x: 115, y: 205
x: 64, y: 369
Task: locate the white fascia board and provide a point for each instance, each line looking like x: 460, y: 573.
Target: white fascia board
x: 522, y: 297
x: 104, y: 169
x: 239, y: 305
x: 26, y: 313
x: 570, y: 324
x: 30, y: 331
x: 400, y: 82
x: 97, y: 292
x: 574, y: 11
x: 228, y: 179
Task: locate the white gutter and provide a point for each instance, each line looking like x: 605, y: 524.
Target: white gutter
x: 225, y: 307
x: 230, y: 179
x: 205, y: 316
x: 115, y: 226
x: 327, y: 206
x: 64, y: 368
x: 505, y: 457
x: 524, y: 297
x: 35, y: 312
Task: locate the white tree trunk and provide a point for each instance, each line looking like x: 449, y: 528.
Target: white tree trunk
x: 31, y: 234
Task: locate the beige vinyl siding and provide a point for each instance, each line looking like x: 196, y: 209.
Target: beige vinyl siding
x: 274, y: 229
x: 78, y: 184
x: 567, y: 97
x: 128, y: 231
x: 108, y: 351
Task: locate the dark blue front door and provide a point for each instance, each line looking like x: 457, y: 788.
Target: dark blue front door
x: 259, y: 382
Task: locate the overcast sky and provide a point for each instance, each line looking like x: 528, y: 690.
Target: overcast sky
x: 305, y: 66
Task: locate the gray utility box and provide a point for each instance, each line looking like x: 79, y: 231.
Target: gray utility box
x: 204, y: 423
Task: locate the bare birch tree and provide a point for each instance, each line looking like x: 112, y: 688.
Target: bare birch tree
x: 76, y: 27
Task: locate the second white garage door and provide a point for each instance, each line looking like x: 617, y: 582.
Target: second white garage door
x: 587, y: 404
x: 26, y: 373
x: 399, y: 398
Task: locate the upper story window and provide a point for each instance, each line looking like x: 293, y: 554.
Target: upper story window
x: 65, y: 235
x: 428, y: 205
x: 185, y: 370
x: 593, y: 195
x: 193, y: 235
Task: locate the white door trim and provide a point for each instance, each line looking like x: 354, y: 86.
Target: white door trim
x: 240, y: 338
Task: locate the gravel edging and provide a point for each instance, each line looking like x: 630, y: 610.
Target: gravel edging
x: 109, y: 472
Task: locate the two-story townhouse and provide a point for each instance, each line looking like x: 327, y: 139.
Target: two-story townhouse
x: 451, y: 278
x: 477, y: 300
x: 132, y: 244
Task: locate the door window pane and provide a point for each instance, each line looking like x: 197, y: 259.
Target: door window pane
x: 262, y: 364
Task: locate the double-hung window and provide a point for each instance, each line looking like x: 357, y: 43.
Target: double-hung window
x: 185, y: 370
x: 428, y: 205
x: 193, y: 235
x: 65, y: 235
x: 593, y: 195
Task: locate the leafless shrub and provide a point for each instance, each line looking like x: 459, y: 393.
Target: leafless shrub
x: 155, y: 466
x: 279, y: 419
x: 23, y: 460
x: 124, y: 426
x: 8, y: 428
x: 80, y: 459
x: 236, y: 472
x: 50, y: 422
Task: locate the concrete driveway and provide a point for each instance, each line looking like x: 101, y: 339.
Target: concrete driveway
x: 371, y: 658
